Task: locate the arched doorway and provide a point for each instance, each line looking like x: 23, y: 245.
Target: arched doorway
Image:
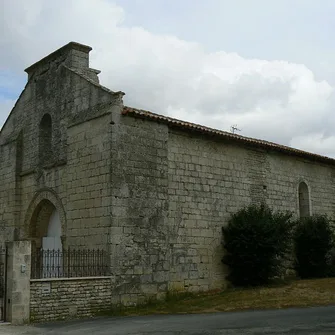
x: 304, y: 207
x: 46, y: 234
x: 52, y: 240
x: 45, y: 222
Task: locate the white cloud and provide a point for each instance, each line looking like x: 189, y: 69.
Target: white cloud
x: 316, y: 142
x: 273, y: 100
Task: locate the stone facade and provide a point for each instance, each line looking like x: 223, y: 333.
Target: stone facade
x: 152, y: 191
x: 60, y: 299
x: 61, y: 87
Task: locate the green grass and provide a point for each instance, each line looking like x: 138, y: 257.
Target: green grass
x: 302, y: 293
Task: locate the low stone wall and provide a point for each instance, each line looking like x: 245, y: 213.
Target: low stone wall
x: 63, y: 298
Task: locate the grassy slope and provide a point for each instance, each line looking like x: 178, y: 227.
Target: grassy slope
x: 296, y: 294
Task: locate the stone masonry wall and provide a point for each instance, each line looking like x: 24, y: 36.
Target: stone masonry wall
x: 210, y: 179
x: 7, y: 192
x: 58, y: 299
x: 88, y: 184
x: 198, y: 202
x: 139, y: 237
x: 172, y: 192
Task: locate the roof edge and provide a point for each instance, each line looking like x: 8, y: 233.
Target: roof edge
x: 11, y: 111
x: 78, y: 73
x: 223, y: 134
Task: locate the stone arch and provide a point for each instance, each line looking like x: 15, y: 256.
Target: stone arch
x: 45, y: 139
x: 39, y: 222
x: 304, y: 200
x: 43, y: 205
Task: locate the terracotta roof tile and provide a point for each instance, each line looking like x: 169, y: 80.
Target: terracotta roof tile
x: 175, y: 123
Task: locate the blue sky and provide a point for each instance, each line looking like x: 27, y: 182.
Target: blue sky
x: 267, y: 66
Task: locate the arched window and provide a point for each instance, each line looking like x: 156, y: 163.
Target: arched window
x: 45, y: 139
x: 304, y: 209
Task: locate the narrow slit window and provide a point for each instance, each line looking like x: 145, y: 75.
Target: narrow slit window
x: 45, y: 139
x: 304, y: 207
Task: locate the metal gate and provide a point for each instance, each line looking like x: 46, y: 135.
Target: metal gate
x: 3, y: 282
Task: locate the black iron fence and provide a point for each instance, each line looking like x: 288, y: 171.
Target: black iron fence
x: 3, y: 265
x: 3, y: 282
x: 69, y: 263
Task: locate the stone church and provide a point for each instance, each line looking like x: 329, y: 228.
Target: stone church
x: 80, y: 169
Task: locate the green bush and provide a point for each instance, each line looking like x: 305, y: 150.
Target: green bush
x: 256, y: 240
x: 313, y: 243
